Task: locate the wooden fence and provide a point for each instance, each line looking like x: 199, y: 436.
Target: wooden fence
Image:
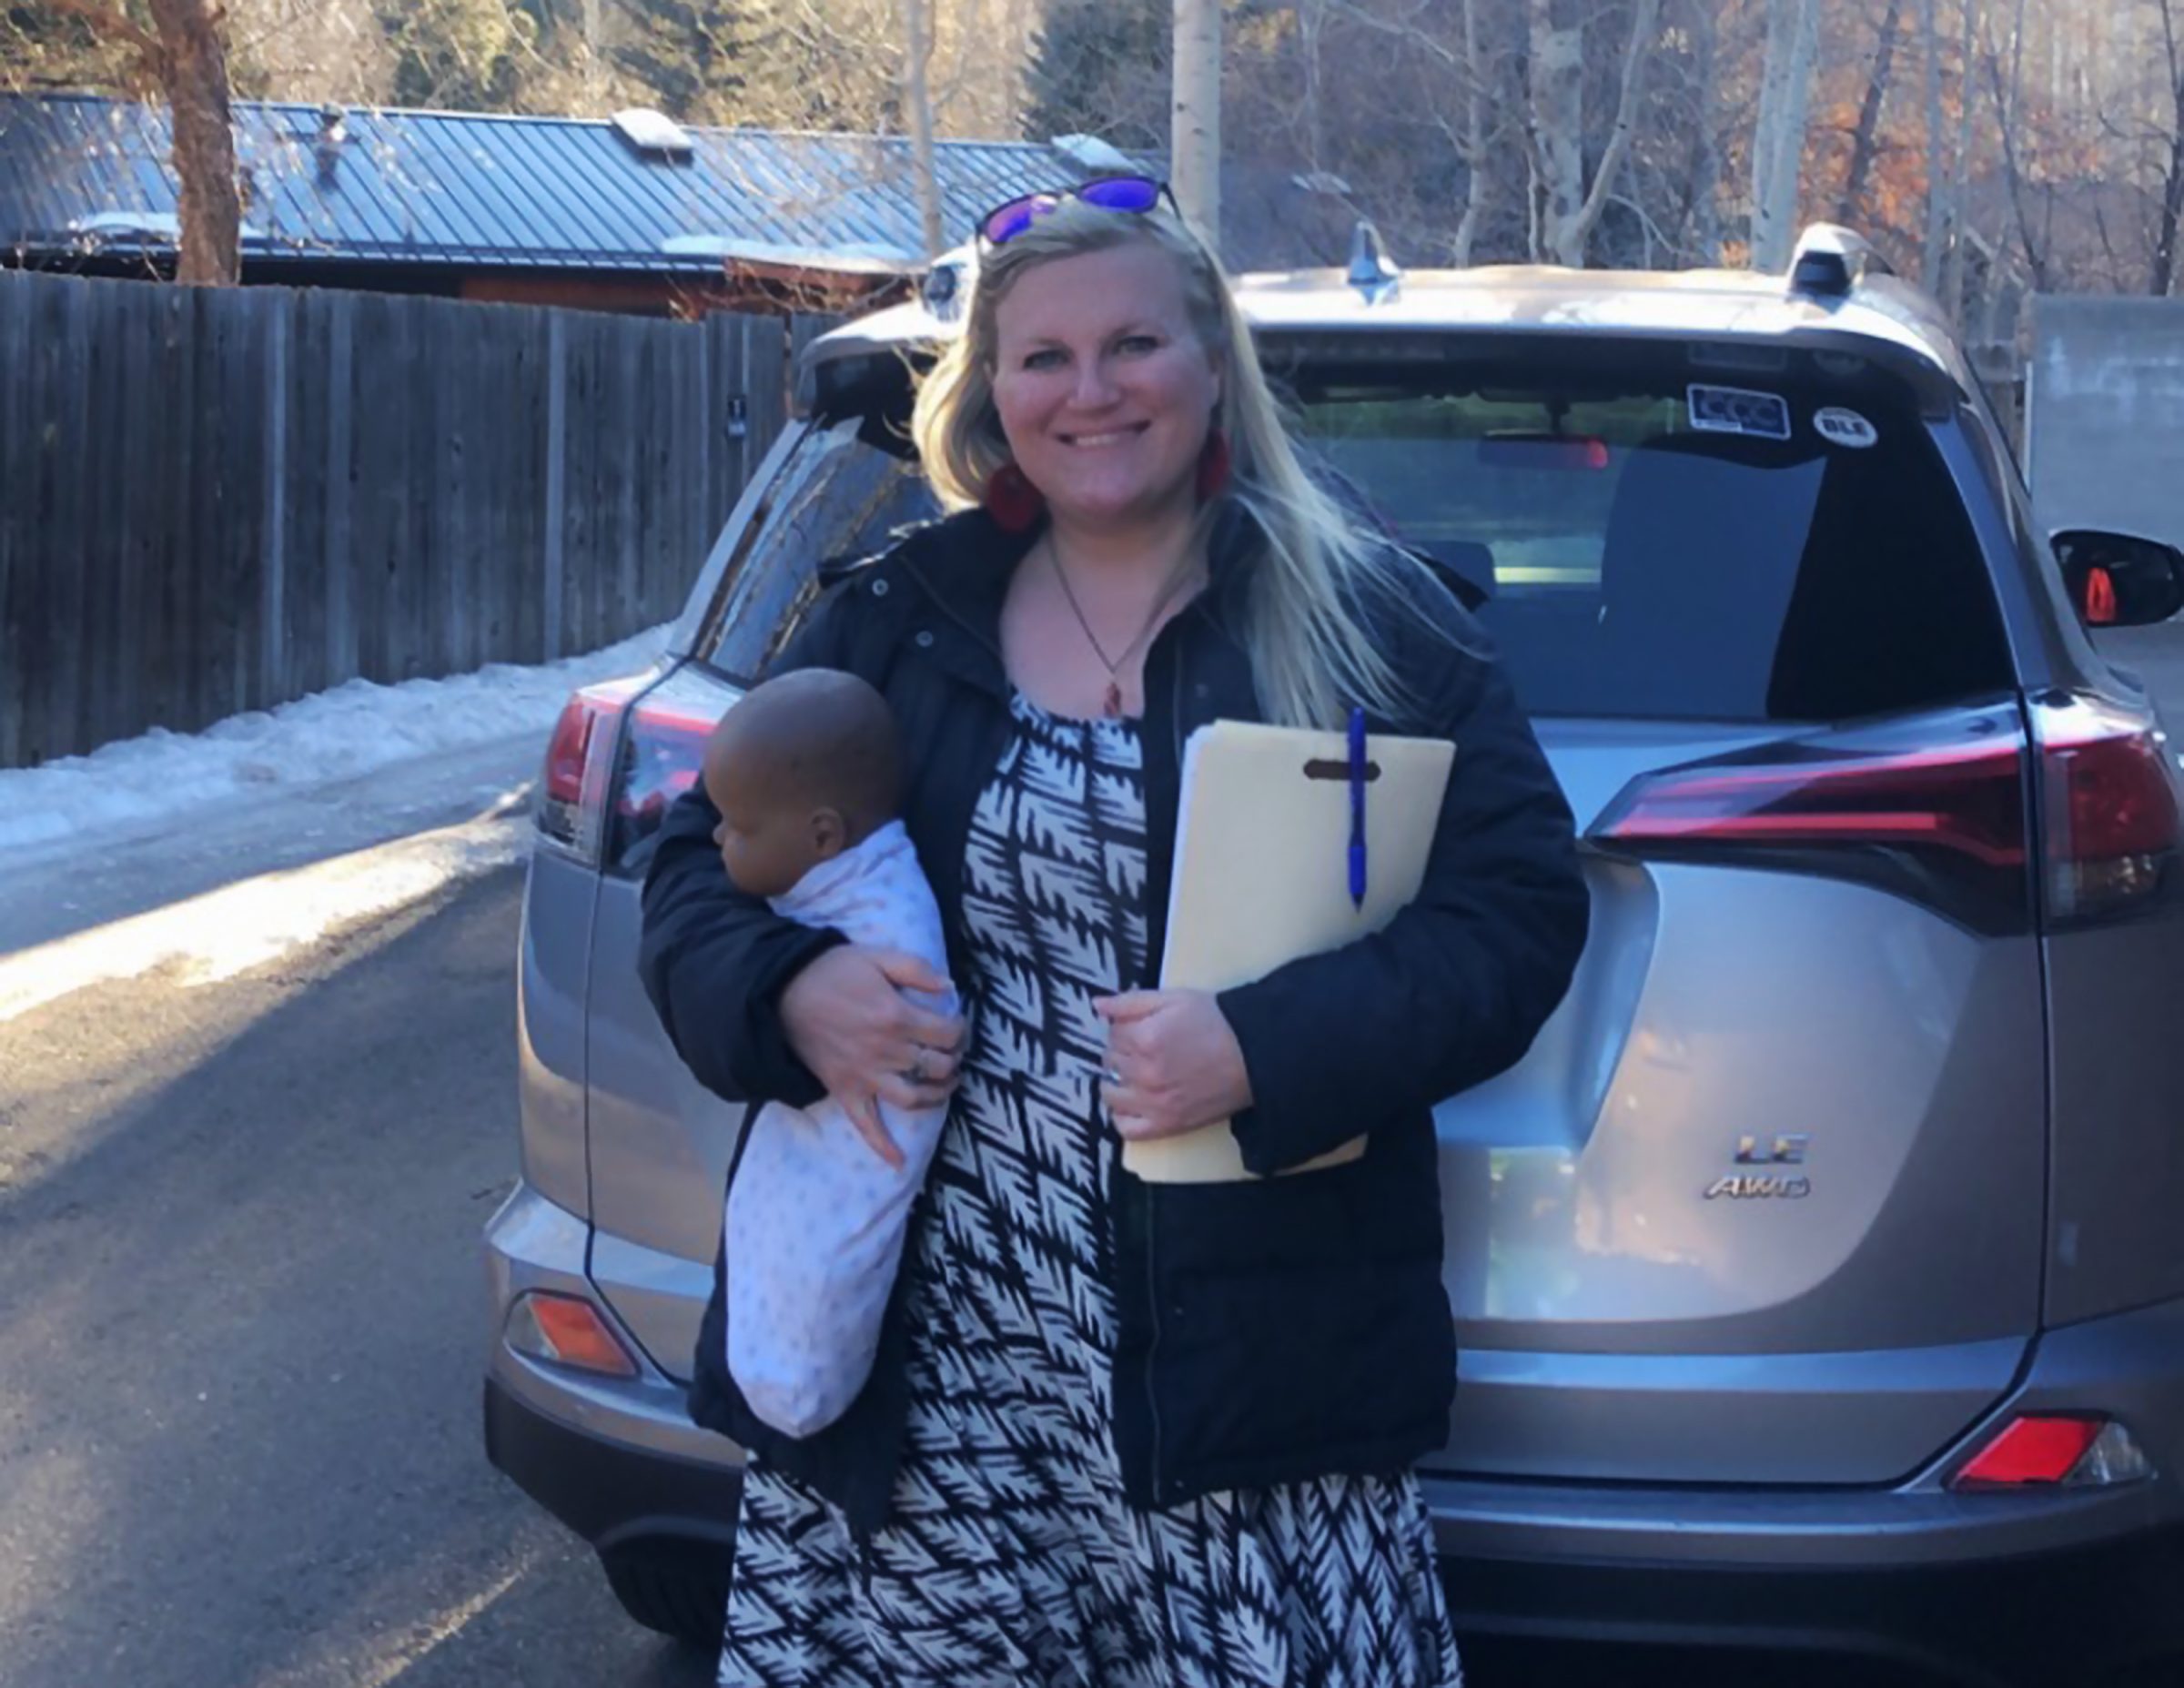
x: 217, y: 500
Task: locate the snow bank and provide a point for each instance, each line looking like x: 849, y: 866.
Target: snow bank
x: 352, y: 730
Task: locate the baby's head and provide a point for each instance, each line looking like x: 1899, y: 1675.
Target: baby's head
x: 807, y: 766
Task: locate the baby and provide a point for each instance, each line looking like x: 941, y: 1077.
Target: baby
x: 807, y: 775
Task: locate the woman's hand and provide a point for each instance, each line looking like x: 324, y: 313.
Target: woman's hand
x: 1173, y: 1063
x: 847, y: 1019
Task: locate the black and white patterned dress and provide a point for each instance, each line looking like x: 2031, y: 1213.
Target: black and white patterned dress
x: 1011, y: 1557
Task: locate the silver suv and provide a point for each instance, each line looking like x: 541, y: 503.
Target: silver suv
x: 1819, y: 1275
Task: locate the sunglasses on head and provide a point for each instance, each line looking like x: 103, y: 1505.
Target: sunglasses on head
x: 1132, y: 193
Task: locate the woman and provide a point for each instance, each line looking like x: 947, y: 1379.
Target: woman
x: 1121, y: 1434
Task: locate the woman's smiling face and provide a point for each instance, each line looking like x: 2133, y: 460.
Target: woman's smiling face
x: 1104, y: 388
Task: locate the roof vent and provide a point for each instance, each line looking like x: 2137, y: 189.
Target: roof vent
x: 146, y: 228
x: 1371, y: 271
x: 333, y: 135
x: 1093, y: 156
x: 652, y: 135
x: 128, y: 226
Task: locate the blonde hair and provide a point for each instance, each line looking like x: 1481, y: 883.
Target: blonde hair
x: 1310, y: 654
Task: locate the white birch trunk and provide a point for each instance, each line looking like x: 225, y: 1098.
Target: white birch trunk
x: 1195, y: 131
x: 1645, y: 18
x: 1474, y: 139
x: 1778, y: 140
x: 592, y: 76
x: 1311, y: 25
x: 918, y: 95
x: 1557, y: 116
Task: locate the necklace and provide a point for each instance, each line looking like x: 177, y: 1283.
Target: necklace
x: 1111, y: 704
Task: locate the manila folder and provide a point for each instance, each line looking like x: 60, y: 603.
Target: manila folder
x: 1262, y: 877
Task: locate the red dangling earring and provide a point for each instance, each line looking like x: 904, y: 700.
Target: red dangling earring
x: 1213, y: 466
x: 1014, y: 503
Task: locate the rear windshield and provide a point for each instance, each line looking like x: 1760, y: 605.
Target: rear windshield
x: 1648, y: 544
x: 1679, y: 548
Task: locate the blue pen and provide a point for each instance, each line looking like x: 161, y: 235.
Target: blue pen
x: 1357, y: 808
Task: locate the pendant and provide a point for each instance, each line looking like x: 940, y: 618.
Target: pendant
x: 1114, y: 700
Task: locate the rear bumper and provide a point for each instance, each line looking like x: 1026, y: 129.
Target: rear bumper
x: 2045, y: 1620
x: 2033, y: 1589
x: 613, y: 1494
x: 1988, y: 1592
x: 2034, y: 1621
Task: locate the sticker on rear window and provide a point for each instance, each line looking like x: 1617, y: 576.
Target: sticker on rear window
x: 1735, y: 410
x: 1846, y: 428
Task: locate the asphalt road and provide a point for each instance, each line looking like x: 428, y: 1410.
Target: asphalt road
x: 241, y: 1325
x: 240, y: 1332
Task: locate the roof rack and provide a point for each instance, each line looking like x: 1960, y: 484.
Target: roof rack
x: 1831, y: 260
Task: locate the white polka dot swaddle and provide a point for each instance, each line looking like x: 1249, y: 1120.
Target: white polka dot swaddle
x: 816, y: 1220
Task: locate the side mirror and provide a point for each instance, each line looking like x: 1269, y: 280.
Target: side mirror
x: 2118, y: 579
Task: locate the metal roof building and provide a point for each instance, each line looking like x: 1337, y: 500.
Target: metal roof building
x: 627, y: 211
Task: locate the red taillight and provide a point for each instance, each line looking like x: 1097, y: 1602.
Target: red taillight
x: 570, y: 748
x: 1933, y: 805
x: 568, y: 807
x: 1947, y: 792
x: 2030, y: 1450
x: 615, y: 765
x: 2055, y: 1449
x: 1969, y: 802
x: 2110, y: 807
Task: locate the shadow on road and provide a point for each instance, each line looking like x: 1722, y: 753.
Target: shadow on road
x: 239, y: 1435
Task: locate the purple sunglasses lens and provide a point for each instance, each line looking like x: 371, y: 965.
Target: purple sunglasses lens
x: 1013, y: 218
x: 1121, y: 193
x: 1108, y: 193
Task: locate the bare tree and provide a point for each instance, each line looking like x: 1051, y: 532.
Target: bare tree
x: 185, y: 55
x: 2009, y: 102
x: 2162, y: 281
x: 1460, y: 73
x: 311, y: 51
x: 1557, y: 67
x: 1565, y: 209
x: 1691, y: 136
x: 1101, y: 67
x: 193, y: 69
x: 1195, y: 144
x: 1778, y: 136
x: 1474, y: 139
x: 917, y: 99
x: 1937, y: 207
x: 1866, y: 139
x: 1950, y: 285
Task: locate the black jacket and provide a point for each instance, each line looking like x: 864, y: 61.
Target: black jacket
x: 1268, y: 1331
